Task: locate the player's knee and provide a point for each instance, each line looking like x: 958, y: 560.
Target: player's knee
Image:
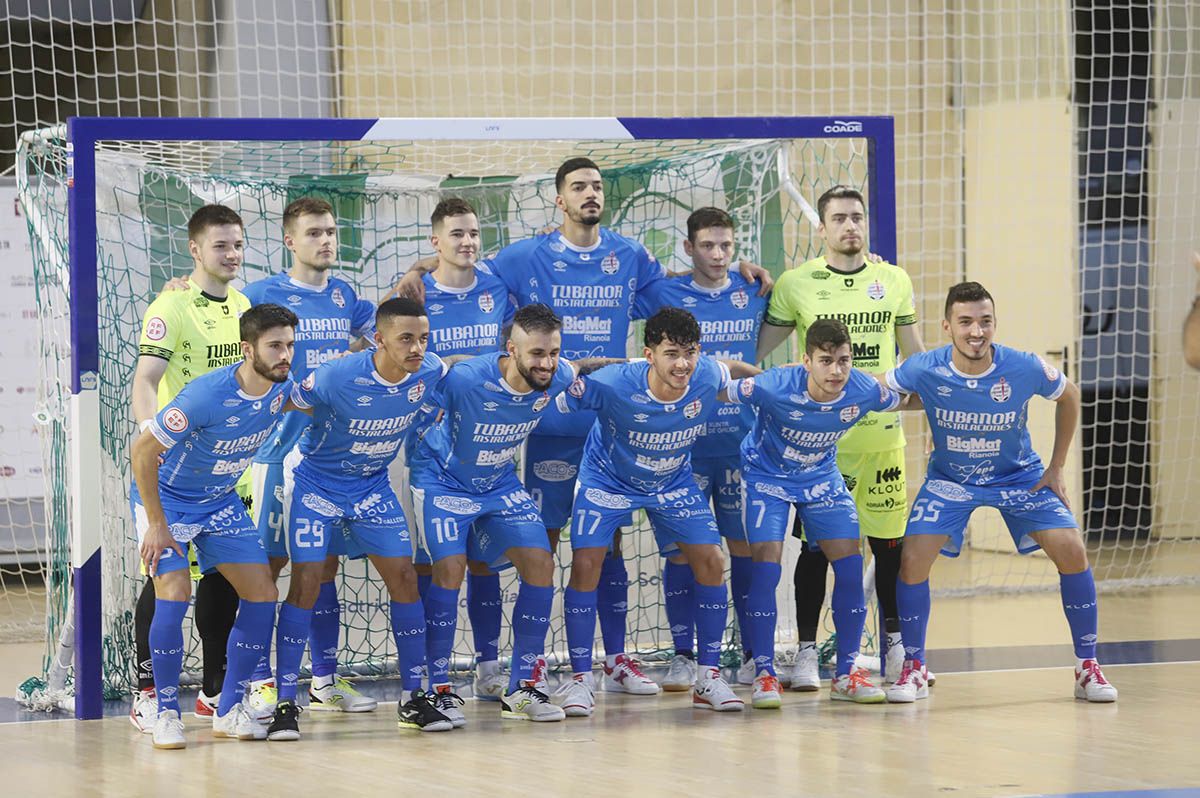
x: 708, y: 565
x: 261, y: 590
x: 305, y: 585
x: 585, y: 568
x: 538, y: 569
x: 915, y: 564
x: 449, y: 572
x: 402, y: 583
x: 175, y: 586
x: 477, y: 568
x: 277, y: 566
x: 677, y: 558
x: 329, y: 569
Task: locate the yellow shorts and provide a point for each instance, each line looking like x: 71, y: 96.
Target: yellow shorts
x: 876, y: 481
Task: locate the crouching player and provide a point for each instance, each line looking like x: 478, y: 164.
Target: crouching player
x: 185, y: 466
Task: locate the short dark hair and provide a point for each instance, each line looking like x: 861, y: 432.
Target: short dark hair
x: 569, y: 166
x: 838, y: 192
x: 537, y: 318
x: 674, y: 324
x: 398, y: 306
x: 828, y: 335
x: 704, y: 218
x: 967, y: 292
x: 303, y: 207
x: 450, y: 206
x: 208, y: 216
x: 260, y: 318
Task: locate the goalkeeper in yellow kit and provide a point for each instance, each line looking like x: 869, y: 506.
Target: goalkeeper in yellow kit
x: 875, y: 301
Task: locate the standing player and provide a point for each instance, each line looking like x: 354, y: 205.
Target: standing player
x: 186, y: 334
x: 468, y: 309
x: 637, y: 456
x: 976, y: 395
x: 333, y: 321
x: 363, y: 406
x: 730, y: 313
x: 186, y: 464
x: 875, y: 301
x: 789, y: 466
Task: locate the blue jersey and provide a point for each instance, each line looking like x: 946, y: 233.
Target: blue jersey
x: 467, y: 321
x: 641, y: 444
x: 330, y: 318
x: 592, y: 290
x: 212, y: 429
x: 729, y: 318
x: 794, y: 439
x: 359, y: 419
x: 472, y: 447
x: 979, y: 421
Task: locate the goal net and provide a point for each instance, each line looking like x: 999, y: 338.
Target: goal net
x: 767, y: 174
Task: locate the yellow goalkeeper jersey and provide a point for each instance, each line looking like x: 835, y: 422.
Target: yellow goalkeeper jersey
x: 872, y: 302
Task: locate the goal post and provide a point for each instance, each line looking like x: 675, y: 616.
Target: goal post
x: 87, y: 294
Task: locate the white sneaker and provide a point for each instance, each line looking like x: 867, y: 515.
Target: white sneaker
x: 144, y: 712
x: 1090, y: 684
x: 911, y: 686
x: 168, y: 730
x: 806, y: 674
x: 576, y: 697
x: 238, y: 724
x: 340, y: 696
x: 856, y: 686
x: 261, y: 699
x: 206, y: 705
x: 529, y: 703
x: 446, y: 701
x: 625, y: 676
x: 766, y: 692
x: 490, y: 681
x: 681, y: 674
x: 712, y: 692
x: 893, y: 666
x: 747, y: 672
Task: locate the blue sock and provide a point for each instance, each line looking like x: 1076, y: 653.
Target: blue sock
x: 531, y: 619
x: 262, y: 671
x: 761, y: 614
x: 441, y: 622
x: 166, y: 650
x: 712, y: 607
x: 248, y: 641
x: 324, y: 631
x: 612, y: 603
x: 579, y: 615
x: 291, y: 636
x: 484, y: 610
x: 423, y: 583
x: 739, y: 586
x: 912, y: 602
x: 849, y: 610
x: 678, y: 583
x: 408, y: 630
x: 1079, y: 604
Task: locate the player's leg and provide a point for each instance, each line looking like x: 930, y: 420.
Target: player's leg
x: 216, y: 607
x: 836, y: 519
x: 328, y: 690
x: 485, y: 611
x: 679, y: 584
x: 808, y: 581
x: 767, y: 518
x: 726, y: 478
x: 145, y: 702
x: 612, y: 603
x: 270, y: 491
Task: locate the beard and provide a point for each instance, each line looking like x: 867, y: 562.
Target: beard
x: 266, y: 372
x: 586, y: 216
x: 534, y: 382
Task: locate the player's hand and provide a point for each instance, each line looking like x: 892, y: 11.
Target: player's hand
x: 757, y: 274
x: 874, y: 258
x: 1052, y: 478
x: 157, y: 538
x: 176, y: 284
x: 411, y: 285
x: 547, y: 230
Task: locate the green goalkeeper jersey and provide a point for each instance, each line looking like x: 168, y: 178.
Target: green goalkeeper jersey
x: 872, y: 302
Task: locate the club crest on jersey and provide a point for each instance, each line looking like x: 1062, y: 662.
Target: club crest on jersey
x: 577, y: 388
x: 1001, y: 391
x: 540, y: 403
x: 486, y: 303
x: 692, y: 408
x: 416, y: 392
x: 875, y: 290
x: 175, y: 420
x: 311, y: 380
x: 746, y: 387
x: 276, y: 403
x: 739, y: 299
x: 1050, y: 372
x: 338, y: 299
x: 848, y: 413
x: 557, y: 246
x: 156, y: 329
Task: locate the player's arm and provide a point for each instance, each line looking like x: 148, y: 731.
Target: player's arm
x: 739, y: 370
x: 757, y: 274
x: 586, y: 365
x: 908, y: 336
x: 289, y: 406
x: 1191, y: 327
x: 771, y: 334
x: 145, y: 456
x: 1066, y: 419
x: 411, y: 284
x: 146, y: 377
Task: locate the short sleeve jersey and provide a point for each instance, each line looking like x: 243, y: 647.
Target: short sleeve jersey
x: 979, y: 422
x: 211, y: 430
x: 467, y: 321
x: 794, y: 439
x: 872, y: 302
x: 194, y: 332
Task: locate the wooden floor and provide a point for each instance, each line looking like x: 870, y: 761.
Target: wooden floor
x: 1004, y: 725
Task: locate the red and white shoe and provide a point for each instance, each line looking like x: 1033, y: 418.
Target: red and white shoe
x: 913, y: 684
x: 206, y: 705
x: 144, y: 712
x: 712, y: 692
x: 538, y: 677
x: 1090, y: 684
x: 625, y: 676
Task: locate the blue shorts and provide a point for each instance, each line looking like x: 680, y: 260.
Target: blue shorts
x: 550, y: 465
x: 825, y: 508
x: 220, y: 534
x: 321, y: 511
x: 721, y: 480
x: 680, y: 514
x: 267, y: 490
x: 944, y: 507
x: 482, y: 526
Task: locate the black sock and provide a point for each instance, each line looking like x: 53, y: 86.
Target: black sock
x: 887, y: 568
x: 143, y: 616
x: 809, y: 583
x: 216, y: 609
